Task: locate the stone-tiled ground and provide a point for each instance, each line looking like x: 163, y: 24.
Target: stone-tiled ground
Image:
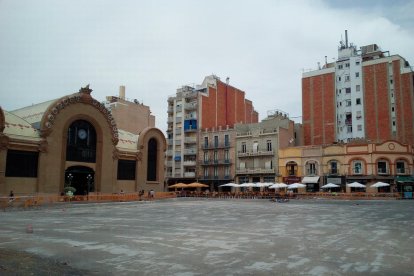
x: 220, y: 237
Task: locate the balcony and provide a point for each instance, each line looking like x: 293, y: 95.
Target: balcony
x: 255, y: 171
x: 190, y: 106
x: 251, y: 153
x: 190, y: 140
x: 383, y: 171
x: 218, y: 146
x: 189, y: 174
x: 403, y: 171
x: 190, y: 151
x: 215, y: 162
x: 189, y: 163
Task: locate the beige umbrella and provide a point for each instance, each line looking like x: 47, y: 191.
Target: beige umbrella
x: 178, y: 185
x: 197, y: 185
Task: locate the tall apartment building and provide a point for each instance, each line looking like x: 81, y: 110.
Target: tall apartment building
x: 212, y: 105
x: 365, y: 94
x: 257, y: 147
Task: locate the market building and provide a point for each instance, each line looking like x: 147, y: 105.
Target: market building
x: 75, y: 141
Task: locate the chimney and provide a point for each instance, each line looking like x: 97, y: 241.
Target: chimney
x: 227, y: 80
x: 122, y: 92
x: 346, y: 38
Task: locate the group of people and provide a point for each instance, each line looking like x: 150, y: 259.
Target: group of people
x: 151, y: 194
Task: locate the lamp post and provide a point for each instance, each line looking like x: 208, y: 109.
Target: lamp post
x: 70, y: 177
x: 89, y: 178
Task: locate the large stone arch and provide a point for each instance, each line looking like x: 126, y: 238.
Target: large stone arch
x: 83, y: 96
x: 144, y: 137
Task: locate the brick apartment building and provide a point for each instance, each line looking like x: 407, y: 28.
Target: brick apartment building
x: 366, y: 94
x: 212, y: 106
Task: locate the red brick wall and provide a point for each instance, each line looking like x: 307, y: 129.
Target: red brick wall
x: 228, y: 104
x: 318, y: 109
x: 377, y: 106
x: 405, y: 115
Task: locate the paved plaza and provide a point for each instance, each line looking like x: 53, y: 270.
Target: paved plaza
x: 220, y: 237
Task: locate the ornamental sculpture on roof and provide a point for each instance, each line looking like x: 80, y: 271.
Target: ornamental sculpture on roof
x: 85, y: 90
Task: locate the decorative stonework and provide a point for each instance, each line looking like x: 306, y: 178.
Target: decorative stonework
x: 2, y: 120
x: 83, y: 96
x: 4, y: 141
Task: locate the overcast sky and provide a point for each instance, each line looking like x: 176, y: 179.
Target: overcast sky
x: 51, y: 48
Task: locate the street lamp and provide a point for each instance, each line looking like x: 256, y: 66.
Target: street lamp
x: 70, y: 177
x: 89, y: 178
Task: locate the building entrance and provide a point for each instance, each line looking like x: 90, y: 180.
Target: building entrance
x: 81, y: 179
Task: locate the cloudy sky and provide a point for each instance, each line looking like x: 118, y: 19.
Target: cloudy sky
x: 51, y: 48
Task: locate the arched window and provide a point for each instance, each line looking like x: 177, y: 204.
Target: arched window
x: 152, y: 160
x: 81, y: 142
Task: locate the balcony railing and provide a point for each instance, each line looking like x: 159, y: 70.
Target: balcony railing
x: 255, y: 171
x: 251, y: 153
x: 215, y: 162
x: 218, y: 146
x: 189, y: 174
x: 383, y: 171
x: 189, y: 163
x: 403, y: 171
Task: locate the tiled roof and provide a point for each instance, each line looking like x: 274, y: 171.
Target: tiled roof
x: 19, y: 128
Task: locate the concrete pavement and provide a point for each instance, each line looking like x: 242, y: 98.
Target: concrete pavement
x: 187, y: 236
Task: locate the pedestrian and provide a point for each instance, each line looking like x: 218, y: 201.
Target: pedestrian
x: 152, y: 194
x: 11, y: 196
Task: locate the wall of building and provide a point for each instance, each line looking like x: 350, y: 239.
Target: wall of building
x: 318, y: 107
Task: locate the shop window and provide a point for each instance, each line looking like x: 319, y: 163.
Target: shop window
x: 401, y: 167
x: 126, y: 169
x: 21, y: 163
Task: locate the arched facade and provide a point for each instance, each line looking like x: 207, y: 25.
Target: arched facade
x: 75, y: 141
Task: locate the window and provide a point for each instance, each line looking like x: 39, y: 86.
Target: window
x: 357, y: 62
x: 255, y: 146
x: 357, y: 167
x: 205, y: 172
x: 359, y: 127
x: 21, y: 163
x: 339, y: 78
x: 358, y: 115
x: 226, y: 171
x: 216, y: 142
x: 358, y: 101
x: 126, y: 169
x: 358, y: 88
x: 340, y: 66
x: 226, y: 156
x: 205, y: 142
x: 244, y: 147
x: 152, y: 160
x: 215, y: 156
x: 400, y: 164
x: 346, y: 64
x: 291, y: 168
x: 311, y: 168
x: 215, y: 172
x: 349, y: 128
x: 382, y: 167
x: 356, y: 74
x: 205, y: 157
x: 347, y: 78
x: 269, y: 145
x: 81, y: 142
x: 226, y: 140
x: 348, y: 90
x: 334, y: 167
x: 348, y: 102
